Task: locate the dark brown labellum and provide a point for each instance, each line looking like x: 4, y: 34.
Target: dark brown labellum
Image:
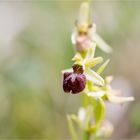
x: 73, y: 82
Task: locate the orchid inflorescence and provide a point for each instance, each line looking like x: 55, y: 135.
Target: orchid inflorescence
x: 81, y: 78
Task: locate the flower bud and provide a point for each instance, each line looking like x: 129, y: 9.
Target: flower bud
x: 82, y: 37
x: 82, y: 43
x: 84, y: 17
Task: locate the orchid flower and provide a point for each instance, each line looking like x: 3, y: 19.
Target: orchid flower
x: 83, y: 79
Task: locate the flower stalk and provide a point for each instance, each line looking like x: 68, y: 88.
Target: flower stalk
x: 83, y: 79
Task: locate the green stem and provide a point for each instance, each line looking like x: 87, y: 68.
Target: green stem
x: 86, y: 135
x: 99, y: 112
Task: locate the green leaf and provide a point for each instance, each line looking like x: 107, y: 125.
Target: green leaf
x: 99, y: 111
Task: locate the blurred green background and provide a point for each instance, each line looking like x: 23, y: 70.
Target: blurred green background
x: 35, y: 46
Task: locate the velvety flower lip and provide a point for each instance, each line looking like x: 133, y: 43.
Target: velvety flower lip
x: 73, y: 82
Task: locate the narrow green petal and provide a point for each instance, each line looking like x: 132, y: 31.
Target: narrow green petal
x: 91, y: 62
x: 97, y: 94
x: 84, y: 15
x: 103, y: 66
x: 73, y: 36
x: 101, y: 43
x: 94, y: 77
x: 118, y: 100
x: 90, y: 52
x: 77, y: 57
x: 93, y: 47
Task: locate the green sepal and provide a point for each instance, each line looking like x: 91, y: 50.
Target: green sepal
x: 103, y: 66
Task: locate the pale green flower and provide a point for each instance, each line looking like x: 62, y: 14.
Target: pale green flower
x: 111, y: 95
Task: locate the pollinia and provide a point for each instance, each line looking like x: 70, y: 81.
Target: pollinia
x: 83, y: 79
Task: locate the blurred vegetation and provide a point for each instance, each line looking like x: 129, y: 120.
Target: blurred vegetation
x: 32, y: 102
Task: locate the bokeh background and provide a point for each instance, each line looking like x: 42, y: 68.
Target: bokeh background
x: 35, y: 46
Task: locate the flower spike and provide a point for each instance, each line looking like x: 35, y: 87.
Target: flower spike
x: 84, y: 79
